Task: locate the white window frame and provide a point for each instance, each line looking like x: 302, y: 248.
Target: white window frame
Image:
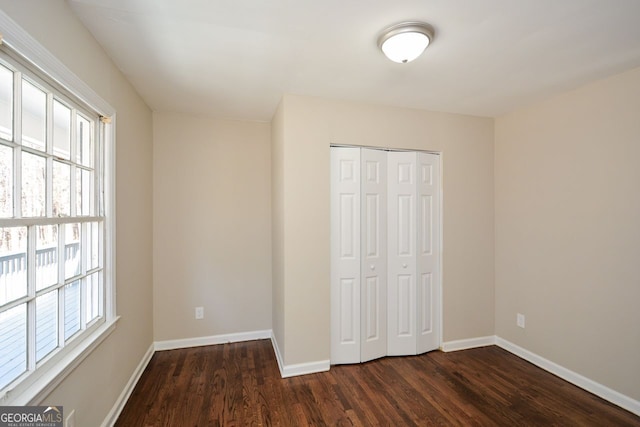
x: 39, y: 383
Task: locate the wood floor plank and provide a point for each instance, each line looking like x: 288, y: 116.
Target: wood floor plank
x: 239, y: 385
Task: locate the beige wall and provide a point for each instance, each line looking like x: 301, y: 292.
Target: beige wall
x: 567, y: 187
x: 95, y: 385
x: 212, y: 226
x: 310, y: 125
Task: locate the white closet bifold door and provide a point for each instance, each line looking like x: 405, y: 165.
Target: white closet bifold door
x: 345, y: 255
x: 385, y: 253
x: 374, y: 254
x: 428, y: 252
x: 401, y: 255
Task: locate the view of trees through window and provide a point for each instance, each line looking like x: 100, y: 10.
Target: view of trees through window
x: 51, y: 224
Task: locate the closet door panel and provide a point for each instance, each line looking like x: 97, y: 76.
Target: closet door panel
x: 428, y: 252
x: 345, y: 255
x: 374, y: 254
x: 401, y: 295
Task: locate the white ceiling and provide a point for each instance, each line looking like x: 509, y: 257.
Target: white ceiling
x: 236, y: 58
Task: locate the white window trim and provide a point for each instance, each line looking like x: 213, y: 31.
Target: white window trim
x: 46, y: 378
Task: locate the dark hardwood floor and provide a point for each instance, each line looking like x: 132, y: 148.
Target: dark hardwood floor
x: 239, y: 385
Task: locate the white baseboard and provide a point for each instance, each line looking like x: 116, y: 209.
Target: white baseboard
x: 212, y: 340
x: 305, y: 368
x: 583, y: 382
x: 276, y: 350
x: 114, y: 413
x: 287, y: 371
x: 468, y: 343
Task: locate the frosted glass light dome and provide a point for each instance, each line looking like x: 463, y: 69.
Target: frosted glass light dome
x: 405, y: 42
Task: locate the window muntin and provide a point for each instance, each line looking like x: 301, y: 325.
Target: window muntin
x: 52, y: 290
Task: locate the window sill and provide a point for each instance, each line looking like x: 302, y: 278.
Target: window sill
x: 51, y: 377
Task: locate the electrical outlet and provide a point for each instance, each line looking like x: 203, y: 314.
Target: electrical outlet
x: 199, y: 312
x: 520, y: 320
x: 71, y: 419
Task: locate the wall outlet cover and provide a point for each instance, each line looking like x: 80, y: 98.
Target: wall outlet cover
x: 199, y: 312
x: 520, y: 320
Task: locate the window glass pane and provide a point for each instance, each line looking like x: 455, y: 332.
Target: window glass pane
x: 46, y: 324
x: 6, y: 103
x: 61, y: 130
x: 13, y: 263
x: 85, y: 200
x: 71, y: 250
x: 34, y: 113
x: 94, y: 259
x: 46, y: 256
x: 93, y: 297
x: 61, y: 189
x: 93, y: 241
x: 13, y: 336
x: 84, y: 138
x: 6, y: 181
x: 71, y: 309
x: 33, y: 185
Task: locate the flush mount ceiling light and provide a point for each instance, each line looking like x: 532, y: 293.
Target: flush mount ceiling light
x: 406, y: 41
